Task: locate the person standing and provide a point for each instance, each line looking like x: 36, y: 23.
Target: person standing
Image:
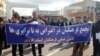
x: 16, y: 19
x: 78, y: 47
x: 63, y: 22
x: 36, y: 20
x: 96, y: 37
x: 2, y: 34
x: 72, y: 21
x: 40, y: 46
x: 86, y: 20
x: 53, y: 22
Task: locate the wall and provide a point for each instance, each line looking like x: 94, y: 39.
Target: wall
x: 3, y: 8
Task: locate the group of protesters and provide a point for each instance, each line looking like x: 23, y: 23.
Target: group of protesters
x: 62, y: 21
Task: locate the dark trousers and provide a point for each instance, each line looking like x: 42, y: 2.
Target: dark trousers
x: 14, y: 49
x: 39, y: 49
x: 78, y: 48
x: 1, y: 43
x: 40, y: 46
x: 96, y: 48
x: 5, y: 44
x: 33, y: 50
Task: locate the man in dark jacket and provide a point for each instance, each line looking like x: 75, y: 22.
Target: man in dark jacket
x: 53, y: 22
x: 2, y: 34
x: 63, y: 22
x: 72, y: 21
x: 96, y: 37
x: 16, y: 19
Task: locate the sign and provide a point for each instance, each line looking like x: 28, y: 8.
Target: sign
x: 29, y: 33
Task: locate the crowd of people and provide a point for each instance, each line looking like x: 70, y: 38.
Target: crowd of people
x: 61, y: 21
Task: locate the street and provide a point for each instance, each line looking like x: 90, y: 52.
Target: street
x: 53, y: 50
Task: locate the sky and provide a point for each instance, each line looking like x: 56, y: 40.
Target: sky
x: 51, y: 5
x: 48, y: 4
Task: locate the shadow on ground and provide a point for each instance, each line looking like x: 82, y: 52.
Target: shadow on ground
x: 67, y: 46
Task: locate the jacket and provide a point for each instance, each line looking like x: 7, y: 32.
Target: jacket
x: 2, y: 33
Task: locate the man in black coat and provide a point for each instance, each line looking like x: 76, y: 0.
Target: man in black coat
x: 16, y: 19
x: 96, y: 37
x: 2, y: 34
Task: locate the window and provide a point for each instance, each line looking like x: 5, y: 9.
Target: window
x: 97, y: 11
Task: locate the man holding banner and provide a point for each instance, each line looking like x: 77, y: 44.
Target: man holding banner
x: 36, y: 20
x: 78, y: 48
x: 16, y: 20
x: 38, y: 34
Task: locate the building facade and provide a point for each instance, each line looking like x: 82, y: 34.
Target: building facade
x: 3, y: 8
x: 85, y: 7
x: 47, y: 13
x: 97, y: 9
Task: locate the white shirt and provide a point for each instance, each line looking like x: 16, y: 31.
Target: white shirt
x: 98, y: 36
x: 34, y: 22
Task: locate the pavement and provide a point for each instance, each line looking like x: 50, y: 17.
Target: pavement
x: 53, y: 50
